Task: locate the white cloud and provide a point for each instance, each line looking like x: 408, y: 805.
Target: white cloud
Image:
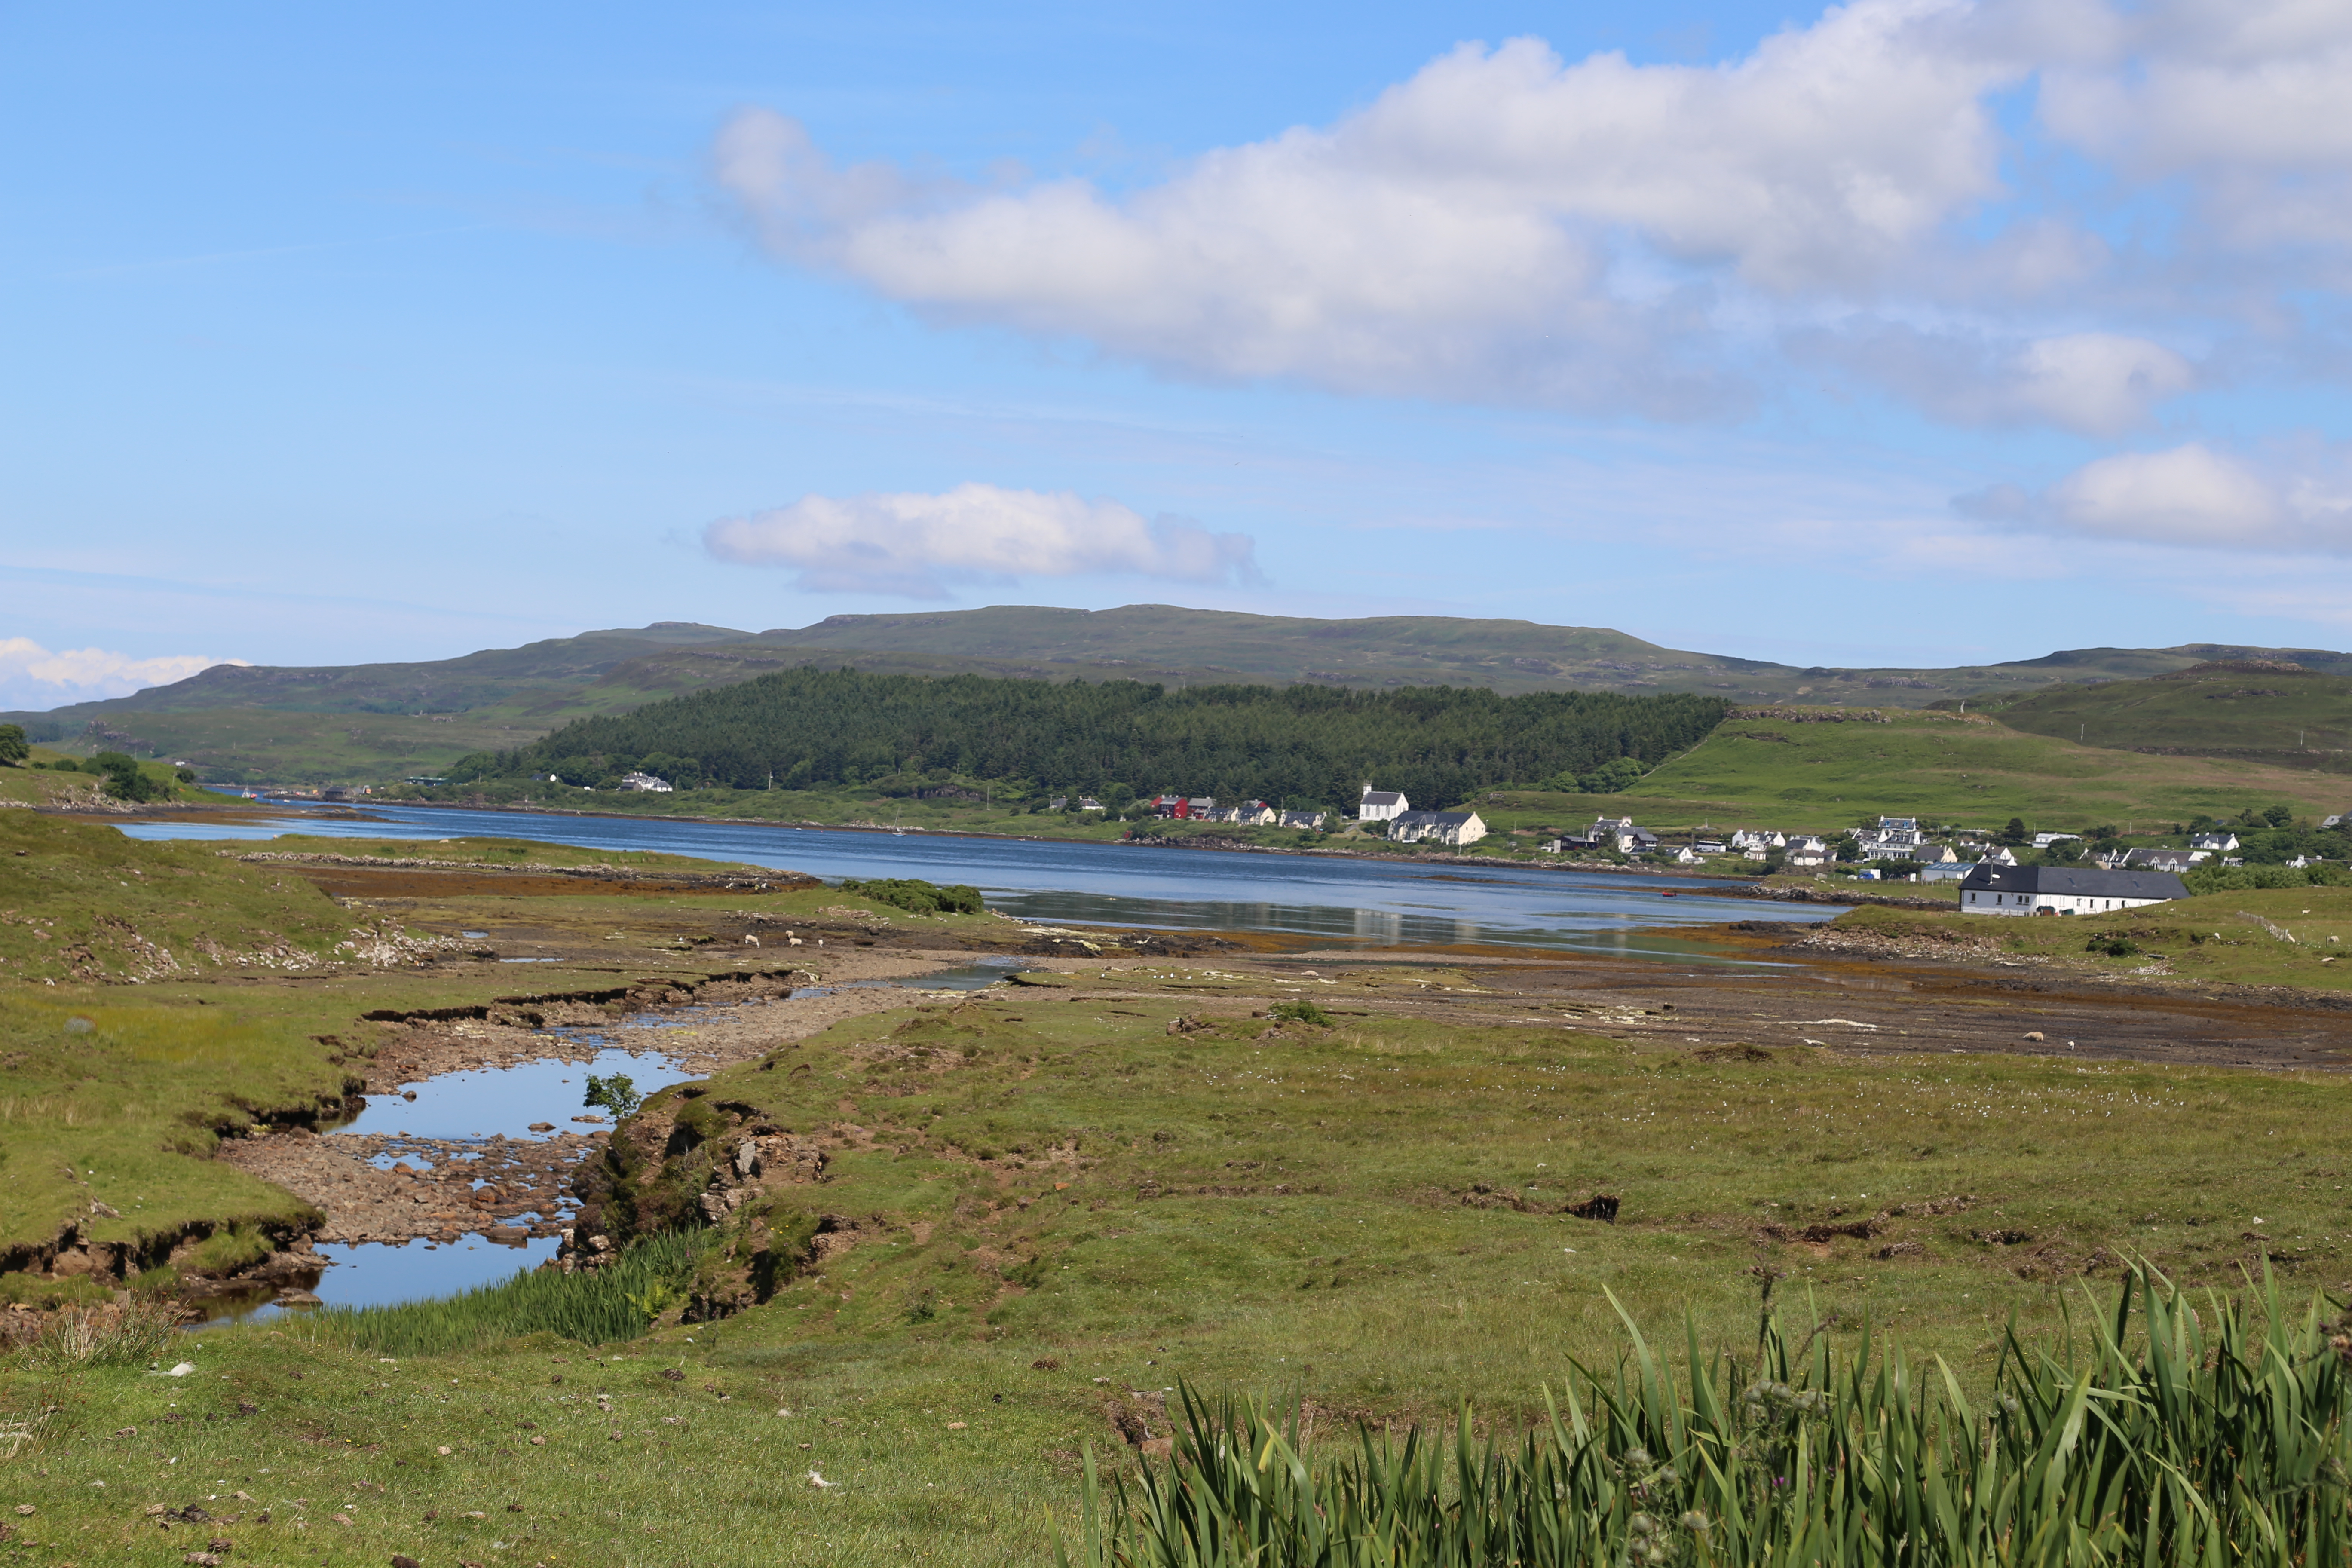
x: 1502, y: 225
x: 915, y: 544
x: 2287, y: 503
x: 2243, y: 98
x: 2096, y: 384
x: 31, y: 677
x: 1509, y: 227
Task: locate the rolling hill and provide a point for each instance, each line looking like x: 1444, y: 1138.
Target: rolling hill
x: 1801, y: 773
x: 329, y: 723
x: 2268, y: 711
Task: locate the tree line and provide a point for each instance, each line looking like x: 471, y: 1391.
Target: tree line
x: 1296, y: 745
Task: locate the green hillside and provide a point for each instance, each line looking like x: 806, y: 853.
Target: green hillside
x: 485, y: 679
x: 320, y: 724
x: 2267, y: 711
x: 1812, y: 774
x: 1298, y: 745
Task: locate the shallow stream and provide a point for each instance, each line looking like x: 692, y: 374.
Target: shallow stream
x: 528, y: 1101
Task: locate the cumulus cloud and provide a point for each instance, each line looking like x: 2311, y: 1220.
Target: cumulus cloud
x: 2192, y: 496
x: 1504, y: 225
x: 2097, y: 384
x: 31, y: 677
x: 914, y: 545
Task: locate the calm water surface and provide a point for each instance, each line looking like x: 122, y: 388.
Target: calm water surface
x: 1327, y: 900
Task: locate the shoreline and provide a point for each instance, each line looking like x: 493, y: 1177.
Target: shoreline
x: 1714, y: 882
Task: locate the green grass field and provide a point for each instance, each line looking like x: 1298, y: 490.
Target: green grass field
x: 2300, y: 937
x: 1948, y: 768
x: 2305, y: 718
x: 1061, y: 1199
x: 1055, y: 1203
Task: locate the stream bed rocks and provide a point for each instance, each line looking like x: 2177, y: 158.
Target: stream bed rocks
x: 505, y: 1189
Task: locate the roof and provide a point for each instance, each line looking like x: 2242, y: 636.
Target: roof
x: 1382, y: 797
x: 2075, y: 881
x: 1431, y: 818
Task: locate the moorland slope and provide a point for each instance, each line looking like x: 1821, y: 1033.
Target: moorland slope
x: 348, y: 723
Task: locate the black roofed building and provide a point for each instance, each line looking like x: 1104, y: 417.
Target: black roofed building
x: 1450, y: 827
x: 1991, y: 889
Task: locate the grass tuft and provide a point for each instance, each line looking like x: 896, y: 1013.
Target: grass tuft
x: 618, y: 1301
x: 2189, y: 1444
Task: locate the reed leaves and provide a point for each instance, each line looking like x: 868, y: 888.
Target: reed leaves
x: 2203, y: 1437
x: 595, y: 1306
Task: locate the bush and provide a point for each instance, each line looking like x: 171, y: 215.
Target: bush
x: 2248, y: 879
x: 616, y: 1094
x: 125, y: 780
x: 919, y: 897
x: 13, y: 747
x: 1299, y: 1013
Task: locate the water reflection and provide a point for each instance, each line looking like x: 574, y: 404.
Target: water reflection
x: 1334, y: 900
x: 505, y: 1100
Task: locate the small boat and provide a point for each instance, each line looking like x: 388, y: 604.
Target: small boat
x: 1669, y: 895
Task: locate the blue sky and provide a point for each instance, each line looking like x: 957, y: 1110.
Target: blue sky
x: 1915, y: 331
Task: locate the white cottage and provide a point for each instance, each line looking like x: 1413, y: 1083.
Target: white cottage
x: 1382, y: 805
x: 1453, y: 828
x: 1992, y: 889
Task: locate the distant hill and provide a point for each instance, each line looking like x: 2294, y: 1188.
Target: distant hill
x: 350, y: 722
x: 2267, y: 710
x: 1298, y: 746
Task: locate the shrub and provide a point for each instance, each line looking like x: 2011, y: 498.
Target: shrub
x: 919, y: 897
x: 2248, y: 879
x: 616, y: 1094
x: 1299, y: 1013
x: 14, y: 748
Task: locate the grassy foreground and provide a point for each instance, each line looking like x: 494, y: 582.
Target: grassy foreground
x: 1056, y: 1203
x: 2198, y: 1442
x: 1050, y: 1202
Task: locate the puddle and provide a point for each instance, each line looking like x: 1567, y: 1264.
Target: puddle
x: 382, y: 1274
x: 494, y: 1102
x: 977, y: 976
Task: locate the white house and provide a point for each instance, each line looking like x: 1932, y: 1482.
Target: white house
x: 1992, y: 889
x: 1088, y: 803
x: 1453, y: 828
x: 1308, y: 820
x: 1256, y: 814
x: 2044, y: 840
x: 2220, y: 843
x: 645, y: 781
x: 1759, y: 839
x: 1807, y: 850
x: 1382, y: 805
x: 2173, y: 860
